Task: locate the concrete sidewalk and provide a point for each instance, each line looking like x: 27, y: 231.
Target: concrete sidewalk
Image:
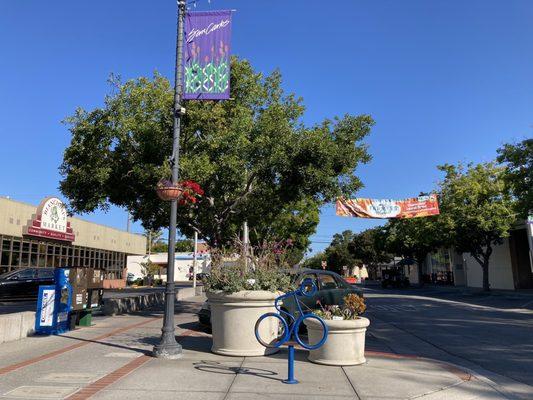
x: 111, y: 361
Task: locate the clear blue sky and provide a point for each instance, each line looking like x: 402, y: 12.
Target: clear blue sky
x: 445, y: 80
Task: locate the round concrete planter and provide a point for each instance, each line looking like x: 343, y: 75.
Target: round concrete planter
x: 345, y: 344
x: 233, y: 318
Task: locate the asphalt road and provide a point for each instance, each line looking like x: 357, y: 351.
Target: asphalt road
x: 490, y: 334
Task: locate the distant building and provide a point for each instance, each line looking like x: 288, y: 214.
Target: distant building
x: 45, y: 236
x: 510, y: 265
x: 183, y: 265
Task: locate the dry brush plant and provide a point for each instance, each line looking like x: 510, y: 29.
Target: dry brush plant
x: 351, y: 308
x: 265, y: 267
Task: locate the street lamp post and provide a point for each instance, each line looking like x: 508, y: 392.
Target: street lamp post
x: 168, y: 347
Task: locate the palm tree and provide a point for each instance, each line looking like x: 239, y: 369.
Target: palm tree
x: 152, y: 237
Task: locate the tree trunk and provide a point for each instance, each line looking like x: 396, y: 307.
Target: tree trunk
x: 485, y: 267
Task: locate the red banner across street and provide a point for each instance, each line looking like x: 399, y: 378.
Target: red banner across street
x: 422, y: 206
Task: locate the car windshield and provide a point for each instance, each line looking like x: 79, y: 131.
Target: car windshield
x: 7, y: 274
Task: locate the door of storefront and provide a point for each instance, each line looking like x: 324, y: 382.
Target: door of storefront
x: 520, y: 260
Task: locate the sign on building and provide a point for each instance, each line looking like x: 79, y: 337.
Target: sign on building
x: 51, y: 221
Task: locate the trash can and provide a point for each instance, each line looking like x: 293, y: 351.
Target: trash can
x: 86, y: 318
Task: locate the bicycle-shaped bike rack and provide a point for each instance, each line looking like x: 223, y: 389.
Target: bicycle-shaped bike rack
x: 287, y: 331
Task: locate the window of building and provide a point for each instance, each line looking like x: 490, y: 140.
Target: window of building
x: 26, y: 252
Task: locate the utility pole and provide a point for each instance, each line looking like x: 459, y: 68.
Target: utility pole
x: 246, y: 241
x: 194, y: 256
x: 168, y: 347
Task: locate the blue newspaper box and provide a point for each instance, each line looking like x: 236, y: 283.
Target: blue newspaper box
x: 53, y: 305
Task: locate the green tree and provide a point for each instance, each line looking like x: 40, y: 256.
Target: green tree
x: 295, y: 222
x: 478, y: 208
x: 184, y: 245
x: 415, y: 238
x: 153, y: 238
x: 253, y: 156
x: 338, y: 253
x: 149, y: 270
x: 160, y: 247
x: 369, y: 248
x: 518, y: 159
x: 315, y: 262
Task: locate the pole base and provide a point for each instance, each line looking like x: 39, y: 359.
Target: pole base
x: 290, y: 381
x: 171, y: 351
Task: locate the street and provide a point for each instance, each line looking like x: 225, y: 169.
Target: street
x: 111, y: 360
x: 490, y: 335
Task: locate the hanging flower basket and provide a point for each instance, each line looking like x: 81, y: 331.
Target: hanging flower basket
x: 168, y: 191
x: 185, y: 192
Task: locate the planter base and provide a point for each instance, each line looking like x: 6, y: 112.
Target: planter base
x: 345, y: 344
x: 337, y: 362
x: 243, y: 353
x: 233, y: 318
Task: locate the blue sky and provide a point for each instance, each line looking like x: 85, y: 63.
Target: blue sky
x: 445, y: 80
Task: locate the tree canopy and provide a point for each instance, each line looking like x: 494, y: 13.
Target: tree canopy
x: 518, y: 158
x: 253, y: 156
x: 337, y: 254
x: 368, y: 246
x: 415, y: 238
x: 478, y: 209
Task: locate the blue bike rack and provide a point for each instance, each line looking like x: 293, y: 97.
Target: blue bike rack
x: 291, y: 332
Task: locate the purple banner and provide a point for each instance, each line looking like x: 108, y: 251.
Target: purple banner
x: 207, y: 55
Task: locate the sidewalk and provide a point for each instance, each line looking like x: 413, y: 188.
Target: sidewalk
x: 111, y: 361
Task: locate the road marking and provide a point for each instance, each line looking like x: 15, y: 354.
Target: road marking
x: 47, y: 356
x: 391, y: 308
x: 527, y: 304
x: 453, y: 302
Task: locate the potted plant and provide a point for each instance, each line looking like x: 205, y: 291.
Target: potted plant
x: 239, y: 290
x: 345, y: 344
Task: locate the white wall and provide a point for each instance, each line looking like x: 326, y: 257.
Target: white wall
x: 500, y: 269
x: 183, y: 262
x: 458, y: 268
x: 413, y: 274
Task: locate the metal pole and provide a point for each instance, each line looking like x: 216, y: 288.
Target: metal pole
x: 246, y: 240
x: 194, y: 260
x: 168, y: 347
x: 290, y: 378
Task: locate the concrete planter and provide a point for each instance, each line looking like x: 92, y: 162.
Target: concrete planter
x: 345, y: 344
x: 233, y: 318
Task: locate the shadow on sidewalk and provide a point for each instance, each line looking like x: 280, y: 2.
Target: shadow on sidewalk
x: 147, y: 340
x: 219, y: 368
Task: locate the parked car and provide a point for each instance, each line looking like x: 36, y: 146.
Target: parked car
x: 332, y: 288
x: 394, y: 278
x: 24, y: 283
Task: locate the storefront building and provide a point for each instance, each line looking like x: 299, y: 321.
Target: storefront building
x: 510, y: 264
x: 45, y: 236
